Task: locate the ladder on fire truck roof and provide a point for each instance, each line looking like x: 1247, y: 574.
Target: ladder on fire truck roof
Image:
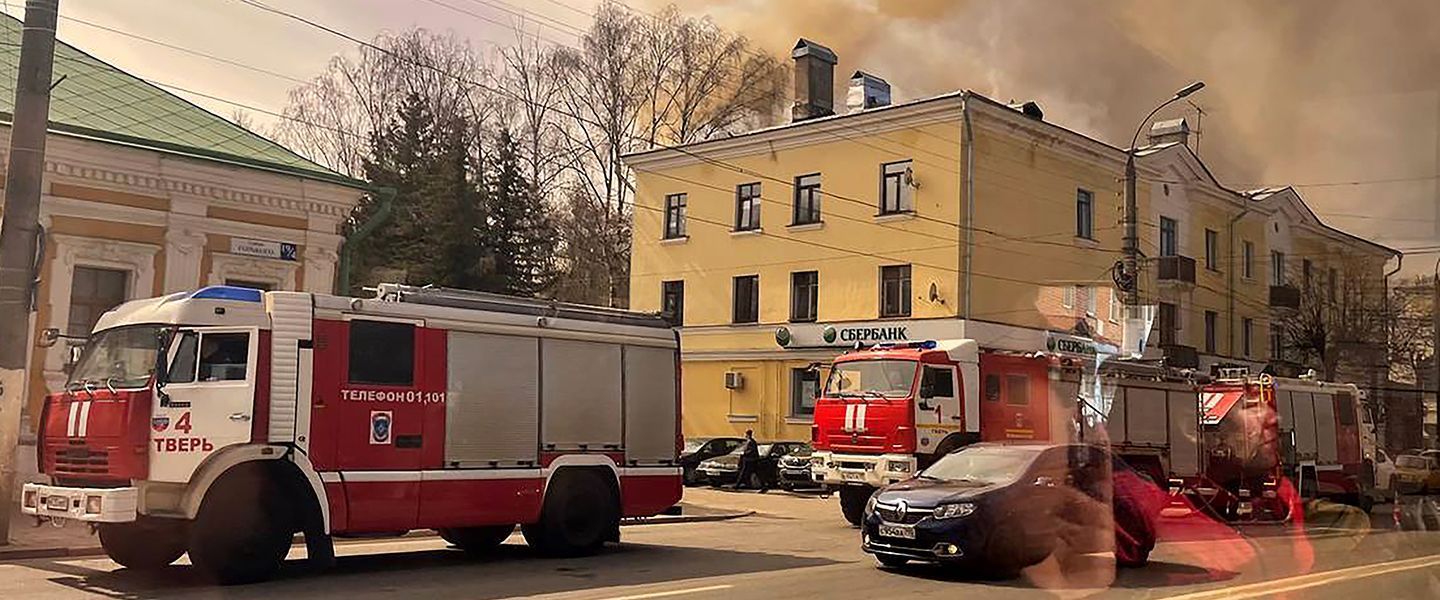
x: 473, y: 300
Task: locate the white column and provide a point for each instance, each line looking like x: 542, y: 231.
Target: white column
x: 183, y: 250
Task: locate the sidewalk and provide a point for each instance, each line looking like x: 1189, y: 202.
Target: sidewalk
x: 75, y: 539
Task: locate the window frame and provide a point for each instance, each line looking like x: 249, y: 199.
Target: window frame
x: 196, y: 361
x: 744, y: 199
x: 811, y: 292
x: 1212, y: 320
x: 1169, y: 241
x: 752, y: 305
x: 92, y: 302
x: 676, y: 206
x: 807, y: 195
x: 798, y: 376
x: 1212, y: 250
x: 1277, y: 268
x: 1084, y: 214
x: 904, y: 201
x: 1169, y: 328
x: 904, y: 283
x: 677, y: 319
x: 1248, y: 261
x: 390, y: 349
x: 1247, y: 325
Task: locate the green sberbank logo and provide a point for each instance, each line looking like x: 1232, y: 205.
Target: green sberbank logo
x: 782, y: 336
x: 828, y: 333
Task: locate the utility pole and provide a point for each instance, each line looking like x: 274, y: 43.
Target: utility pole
x: 19, y: 230
x: 1434, y: 348
x: 1131, y: 259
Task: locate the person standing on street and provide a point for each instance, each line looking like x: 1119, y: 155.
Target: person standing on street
x: 749, y: 458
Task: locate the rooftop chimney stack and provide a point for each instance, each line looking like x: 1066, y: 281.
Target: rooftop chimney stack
x: 867, y: 91
x: 814, y: 81
x: 1173, y: 130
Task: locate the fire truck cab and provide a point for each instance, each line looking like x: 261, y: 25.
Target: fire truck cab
x: 225, y: 420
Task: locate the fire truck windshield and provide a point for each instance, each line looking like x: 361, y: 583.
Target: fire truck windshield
x: 120, y: 357
x: 887, y: 378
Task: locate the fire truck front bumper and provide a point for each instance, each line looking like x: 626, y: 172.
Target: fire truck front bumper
x: 874, y: 470
x: 95, y: 505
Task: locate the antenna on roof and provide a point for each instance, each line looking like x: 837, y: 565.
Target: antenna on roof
x: 1199, y: 115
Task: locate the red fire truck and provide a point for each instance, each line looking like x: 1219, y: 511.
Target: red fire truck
x: 1257, y: 429
x: 282, y: 412
x: 889, y: 410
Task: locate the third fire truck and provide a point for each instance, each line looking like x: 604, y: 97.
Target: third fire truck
x: 223, y: 421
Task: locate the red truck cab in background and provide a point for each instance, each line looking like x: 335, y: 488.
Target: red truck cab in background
x: 889, y: 410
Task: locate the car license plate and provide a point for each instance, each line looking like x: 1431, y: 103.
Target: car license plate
x: 852, y: 476
x: 897, y: 531
x: 57, y: 503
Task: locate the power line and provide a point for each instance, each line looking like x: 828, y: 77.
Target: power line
x: 155, y: 42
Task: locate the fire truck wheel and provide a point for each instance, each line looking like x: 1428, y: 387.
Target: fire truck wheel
x: 852, y: 502
x: 477, y: 540
x: 242, y: 532
x: 581, y: 511
x: 146, y: 544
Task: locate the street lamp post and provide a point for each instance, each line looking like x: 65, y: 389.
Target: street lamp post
x: 1132, y: 236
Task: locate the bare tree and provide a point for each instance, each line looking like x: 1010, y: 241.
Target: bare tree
x: 1343, y: 323
x: 1411, y: 338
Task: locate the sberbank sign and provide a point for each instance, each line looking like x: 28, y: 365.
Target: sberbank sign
x: 846, y: 335
x: 1072, y: 346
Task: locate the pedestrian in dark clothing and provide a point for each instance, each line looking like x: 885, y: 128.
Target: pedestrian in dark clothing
x: 749, y: 458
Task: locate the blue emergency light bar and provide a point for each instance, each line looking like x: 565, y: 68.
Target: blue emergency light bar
x: 925, y: 345
x: 228, y: 292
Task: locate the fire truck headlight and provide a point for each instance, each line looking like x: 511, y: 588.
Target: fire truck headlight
x: 899, y: 466
x: 92, y: 505
x: 31, y: 500
x: 954, y: 511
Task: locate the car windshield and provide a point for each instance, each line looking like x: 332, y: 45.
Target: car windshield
x: 1411, y: 462
x: 121, y: 357
x: 694, y: 445
x: 886, y: 378
x: 988, y: 464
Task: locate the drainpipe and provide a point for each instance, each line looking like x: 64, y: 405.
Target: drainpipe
x: 1230, y: 278
x: 969, y: 150
x: 386, y: 197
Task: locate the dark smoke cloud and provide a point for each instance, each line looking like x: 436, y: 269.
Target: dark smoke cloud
x: 1297, y: 92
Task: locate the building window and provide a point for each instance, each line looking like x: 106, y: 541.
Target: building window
x: 1169, y: 324
x: 675, y: 216
x: 804, y: 296
x: 672, y: 302
x: 1305, y: 270
x: 1246, y: 325
x: 895, y: 191
x: 92, y: 292
x: 1067, y: 297
x: 747, y: 299
x: 1331, y: 281
x: 804, y: 389
x: 1277, y: 267
x: 1169, y: 236
x: 1277, y: 342
x: 1212, y: 250
x: 1084, y: 214
x: 807, y: 200
x: 1210, y: 318
x: 382, y: 353
x: 1092, y: 295
x: 1115, y: 305
x: 895, y: 291
x: 1248, y: 260
x: 254, y: 285
x: 747, y: 207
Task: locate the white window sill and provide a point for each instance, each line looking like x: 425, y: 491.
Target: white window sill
x: 899, y: 216
x: 1085, y: 242
x: 807, y: 226
x: 676, y: 241
x: 743, y: 418
x: 747, y: 232
x: 799, y: 420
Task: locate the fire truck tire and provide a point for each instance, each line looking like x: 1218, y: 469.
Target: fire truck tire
x: 581, y: 511
x: 144, y: 545
x: 243, y: 531
x: 852, y: 502
x: 477, y: 540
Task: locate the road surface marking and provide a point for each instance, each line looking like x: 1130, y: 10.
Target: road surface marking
x: 1300, y: 582
x: 696, y: 590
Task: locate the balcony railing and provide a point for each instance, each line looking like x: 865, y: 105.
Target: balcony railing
x: 1177, y: 269
x: 1284, y: 296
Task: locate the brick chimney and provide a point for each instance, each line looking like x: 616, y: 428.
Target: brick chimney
x: 814, y: 81
x: 1173, y: 130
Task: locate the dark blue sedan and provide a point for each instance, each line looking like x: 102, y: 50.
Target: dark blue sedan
x: 1000, y: 507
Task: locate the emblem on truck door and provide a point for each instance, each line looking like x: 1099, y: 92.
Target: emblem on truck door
x: 380, y: 427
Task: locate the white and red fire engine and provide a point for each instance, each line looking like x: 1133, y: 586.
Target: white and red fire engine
x: 283, y: 412
x: 889, y: 410
x: 1312, y: 433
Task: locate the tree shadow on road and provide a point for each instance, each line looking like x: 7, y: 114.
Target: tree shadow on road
x: 512, y: 570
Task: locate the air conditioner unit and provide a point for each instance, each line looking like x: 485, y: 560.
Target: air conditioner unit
x: 734, y: 380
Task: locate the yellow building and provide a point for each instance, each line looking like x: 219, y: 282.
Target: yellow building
x: 952, y: 216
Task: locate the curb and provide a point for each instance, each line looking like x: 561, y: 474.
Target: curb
x: 91, y: 551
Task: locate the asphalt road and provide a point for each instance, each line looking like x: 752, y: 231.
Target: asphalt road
x: 794, y: 547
